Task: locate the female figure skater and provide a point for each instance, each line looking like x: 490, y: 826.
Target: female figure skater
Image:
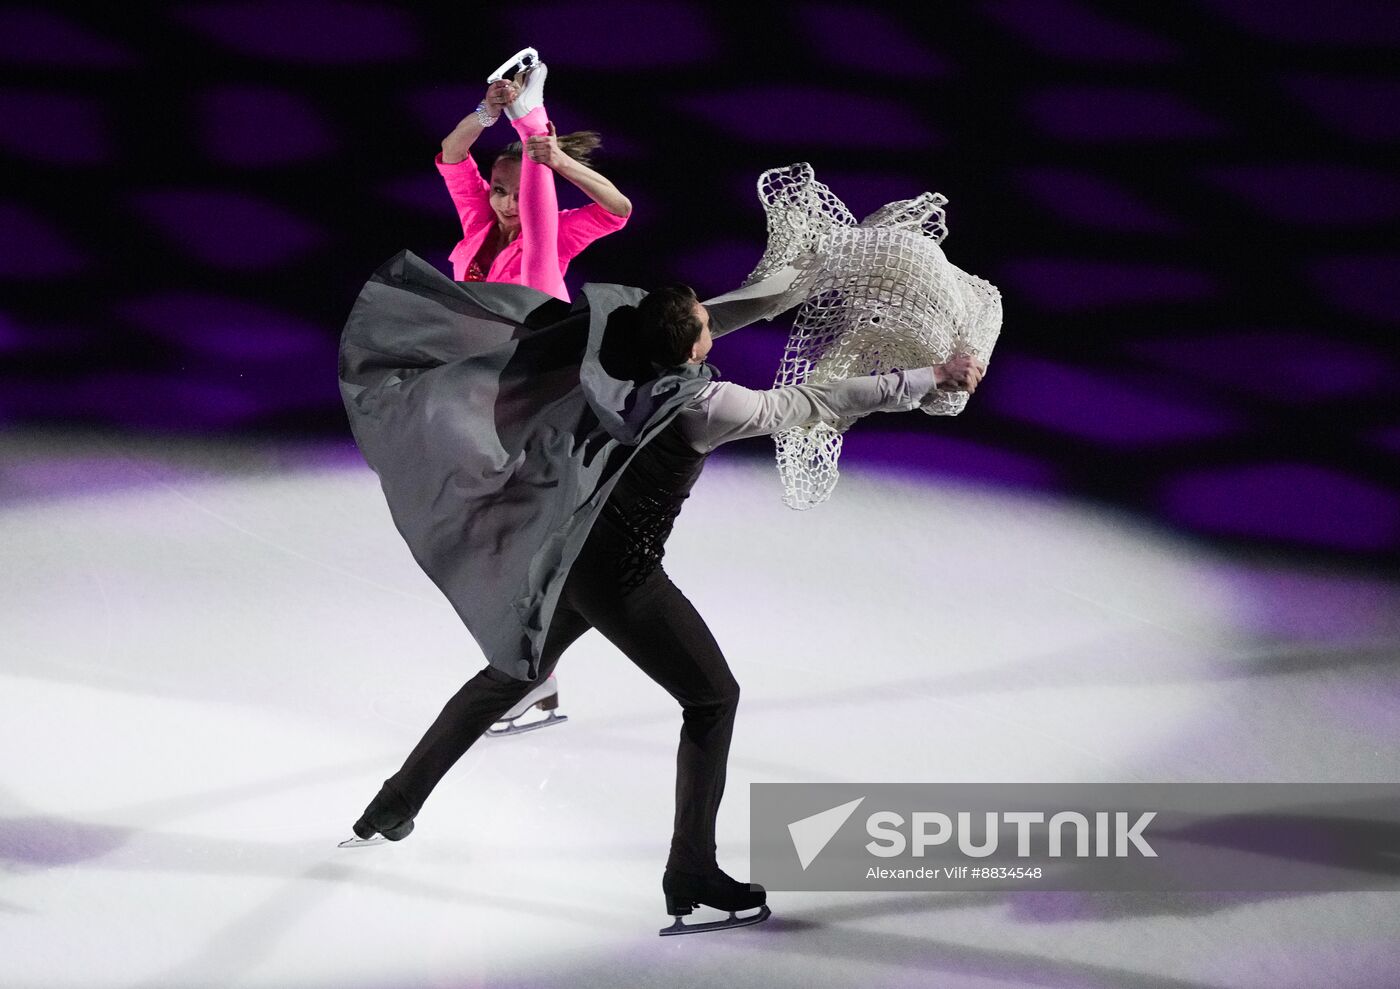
x: 513, y: 229
x: 562, y: 492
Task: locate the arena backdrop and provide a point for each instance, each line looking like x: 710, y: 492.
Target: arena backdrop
x: 1187, y: 207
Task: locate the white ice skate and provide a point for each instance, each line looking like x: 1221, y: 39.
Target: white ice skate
x: 531, y: 91
x: 544, y: 696
x: 521, y: 61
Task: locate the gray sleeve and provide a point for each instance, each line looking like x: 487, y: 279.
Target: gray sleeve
x: 760, y: 300
x: 726, y: 412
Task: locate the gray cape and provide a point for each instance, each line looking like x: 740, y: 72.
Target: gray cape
x: 498, y: 419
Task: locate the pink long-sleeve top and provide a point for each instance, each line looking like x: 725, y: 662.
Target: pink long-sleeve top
x: 471, y: 194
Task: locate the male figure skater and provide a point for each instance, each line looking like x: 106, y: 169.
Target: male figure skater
x: 645, y: 427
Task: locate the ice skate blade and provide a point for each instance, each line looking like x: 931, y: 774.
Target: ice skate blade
x: 734, y: 920
x: 526, y: 58
x: 356, y: 842
x: 513, y: 729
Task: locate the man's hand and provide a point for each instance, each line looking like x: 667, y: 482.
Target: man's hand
x: 961, y: 373
x: 544, y: 148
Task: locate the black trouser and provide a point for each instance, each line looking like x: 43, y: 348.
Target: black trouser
x: 656, y: 627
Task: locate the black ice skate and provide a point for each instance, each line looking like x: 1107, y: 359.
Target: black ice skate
x: 387, y: 817
x: 685, y: 892
x: 544, y: 696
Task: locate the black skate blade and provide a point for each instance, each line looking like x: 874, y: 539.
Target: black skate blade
x: 680, y: 927
x: 515, y: 728
x: 357, y: 841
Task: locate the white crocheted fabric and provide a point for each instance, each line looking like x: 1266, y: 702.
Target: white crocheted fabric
x: 880, y: 296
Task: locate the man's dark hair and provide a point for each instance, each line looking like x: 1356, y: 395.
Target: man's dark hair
x: 667, y: 324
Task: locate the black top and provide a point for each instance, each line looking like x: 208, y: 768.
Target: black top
x: 639, y: 514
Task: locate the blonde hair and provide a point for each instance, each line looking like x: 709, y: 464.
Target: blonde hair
x: 579, y: 146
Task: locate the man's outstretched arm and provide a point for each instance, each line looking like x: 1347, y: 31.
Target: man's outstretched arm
x: 727, y: 412
x: 760, y: 300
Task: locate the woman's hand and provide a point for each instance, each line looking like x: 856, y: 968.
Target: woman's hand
x: 499, y: 95
x: 456, y: 145
x: 544, y: 148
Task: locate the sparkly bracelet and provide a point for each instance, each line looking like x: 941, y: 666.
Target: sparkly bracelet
x: 486, y: 119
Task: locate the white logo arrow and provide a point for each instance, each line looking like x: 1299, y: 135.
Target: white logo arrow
x: 811, y: 834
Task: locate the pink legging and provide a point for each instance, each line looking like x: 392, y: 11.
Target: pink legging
x: 539, y: 214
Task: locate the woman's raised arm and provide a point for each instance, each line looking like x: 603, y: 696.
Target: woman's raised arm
x: 545, y: 150
x: 456, y: 145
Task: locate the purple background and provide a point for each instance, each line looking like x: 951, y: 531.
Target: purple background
x: 1188, y: 211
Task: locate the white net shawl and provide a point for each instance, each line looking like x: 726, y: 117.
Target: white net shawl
x: 880, y: 295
